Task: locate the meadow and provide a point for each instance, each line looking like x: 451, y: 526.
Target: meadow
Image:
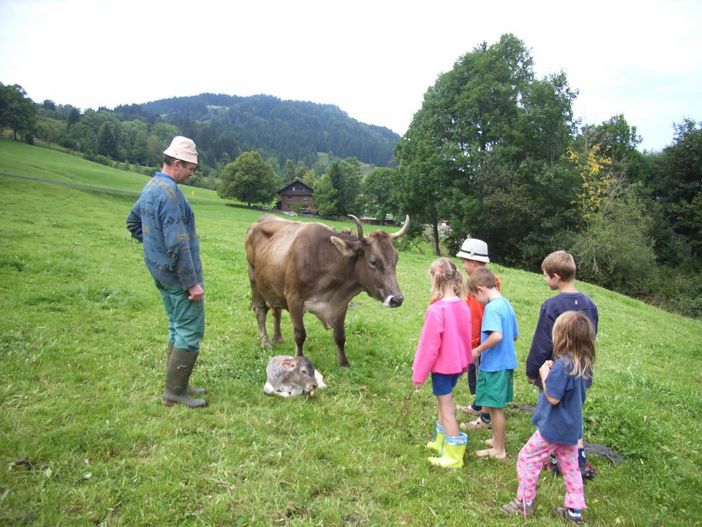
x: 84, y: 439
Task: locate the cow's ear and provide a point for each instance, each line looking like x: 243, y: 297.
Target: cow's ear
x: 344, y: 247
x: 289, y: 364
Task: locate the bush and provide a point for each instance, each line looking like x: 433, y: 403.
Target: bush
x: 616, y: 249
x: 680, y: 291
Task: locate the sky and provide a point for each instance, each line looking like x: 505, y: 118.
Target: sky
x: 374, y: 59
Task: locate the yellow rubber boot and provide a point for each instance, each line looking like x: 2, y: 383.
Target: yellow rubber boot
x: 454, y: 450
x: 439, y: 435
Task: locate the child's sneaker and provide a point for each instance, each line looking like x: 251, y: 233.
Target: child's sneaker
x: 518, y: 507
x: 568, y: 516
x: 470, y: 410
x: 478, y: 424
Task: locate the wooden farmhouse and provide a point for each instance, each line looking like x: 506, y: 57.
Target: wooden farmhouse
x: 296, y: 197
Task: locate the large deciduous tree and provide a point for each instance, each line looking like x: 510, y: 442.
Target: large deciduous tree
x: 17, y: 111
x: 379, y: 193
x: 675, y: 184
x: 249, y: 179
x: 337, y: 191
x: 485, y: 146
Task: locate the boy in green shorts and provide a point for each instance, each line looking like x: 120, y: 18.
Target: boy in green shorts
x: 498, y: 359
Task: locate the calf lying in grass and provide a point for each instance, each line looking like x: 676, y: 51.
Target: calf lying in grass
x: 288, y: 376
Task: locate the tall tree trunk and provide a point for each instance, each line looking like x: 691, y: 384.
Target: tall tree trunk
x: 435, y: 235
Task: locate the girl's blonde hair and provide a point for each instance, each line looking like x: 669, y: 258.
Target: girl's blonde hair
x: 443, y: 272
x: 574, y: 338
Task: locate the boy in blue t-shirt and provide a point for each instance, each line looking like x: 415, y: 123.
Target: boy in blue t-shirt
x: 497, y: 358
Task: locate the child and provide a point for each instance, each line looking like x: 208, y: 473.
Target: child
x: 444, y: 350
x: 474, y: 255
x: 498, y: 359
x: 559, y: 417
x: 559, y: 273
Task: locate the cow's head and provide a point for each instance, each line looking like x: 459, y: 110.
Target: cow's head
x: 377, y: 262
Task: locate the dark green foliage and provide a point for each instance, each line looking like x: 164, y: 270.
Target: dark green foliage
x: 290, y: 129
x: 379, y: 193
x: 325, y: 197
x: 337, y: 191
x: 479, y: 148
x: 107, y: 140
x: 249, y: 179
x: 616, y: 248
x: 675, y: 183
x: 17, y: 112
x: 222, y: 126
x: 494, y: 151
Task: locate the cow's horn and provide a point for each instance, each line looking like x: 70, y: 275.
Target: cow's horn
x: 403, y: 230
x: 359, y: 226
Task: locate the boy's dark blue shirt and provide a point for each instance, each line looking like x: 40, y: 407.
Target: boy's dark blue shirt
x: 542, y: 344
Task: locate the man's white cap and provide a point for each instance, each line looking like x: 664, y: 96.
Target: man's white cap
x: 182, y: 148
x: 474, y: 249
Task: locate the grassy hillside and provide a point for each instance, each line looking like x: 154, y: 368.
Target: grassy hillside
x: 84, y: 440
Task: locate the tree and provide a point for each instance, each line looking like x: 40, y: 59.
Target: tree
x: 289, y: 172
x: 675, y: 185
x: 616, y: 248
x: 310, y: 178
x: 596, y: 179
x: 249, y: 179
x: 348, y: 185
x: 378, y: 193
x: 108, y: 140
x: 325, y: 196
x: 618, y: 142
x: 159, y: 138
x: 17, y: 112
x: 73, y: 115
x: 136, y: 134
x: 486, y: 133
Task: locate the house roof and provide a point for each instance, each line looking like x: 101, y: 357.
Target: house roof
x: 297, y: 183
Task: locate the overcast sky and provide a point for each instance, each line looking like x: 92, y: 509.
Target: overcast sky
x: 374, y: 59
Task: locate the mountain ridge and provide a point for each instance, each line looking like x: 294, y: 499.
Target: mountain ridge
x: 229, y: 125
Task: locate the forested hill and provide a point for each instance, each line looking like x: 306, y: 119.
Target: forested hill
x: 226, y: 126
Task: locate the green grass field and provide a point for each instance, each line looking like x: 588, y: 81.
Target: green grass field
x: 85, y: 441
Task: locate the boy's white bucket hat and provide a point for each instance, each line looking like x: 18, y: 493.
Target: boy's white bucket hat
x: 474, y: 249
x: 182, y: 148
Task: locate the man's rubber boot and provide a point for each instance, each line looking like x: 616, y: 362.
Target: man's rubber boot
x: 180, y: 366
x: 191, y: 390
x: 454, y: 449
x: 438, y: 443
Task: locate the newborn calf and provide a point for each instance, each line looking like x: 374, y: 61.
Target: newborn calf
x: 288, y: 376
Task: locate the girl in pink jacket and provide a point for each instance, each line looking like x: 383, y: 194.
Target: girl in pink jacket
x: 444, y: 350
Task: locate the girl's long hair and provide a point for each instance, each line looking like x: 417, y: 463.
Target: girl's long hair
x: 574, y: 338
x: 443, y: 272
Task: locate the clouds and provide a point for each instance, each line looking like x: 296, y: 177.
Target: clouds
x: 375, y: 60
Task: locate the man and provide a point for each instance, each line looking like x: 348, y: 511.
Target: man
x: 163, y: 220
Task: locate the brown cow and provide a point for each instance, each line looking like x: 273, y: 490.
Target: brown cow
x: 305, y: 267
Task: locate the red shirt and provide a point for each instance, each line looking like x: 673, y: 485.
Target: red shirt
x: 476, y: 316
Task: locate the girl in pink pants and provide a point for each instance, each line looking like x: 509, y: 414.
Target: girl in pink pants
x: 559, y: 418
